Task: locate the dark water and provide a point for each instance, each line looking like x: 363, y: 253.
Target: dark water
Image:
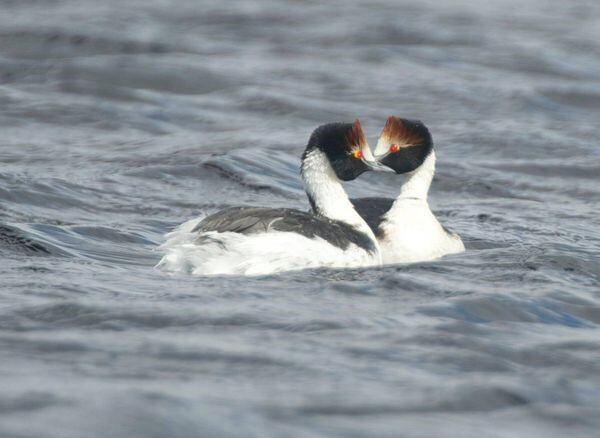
x: 121, y: 120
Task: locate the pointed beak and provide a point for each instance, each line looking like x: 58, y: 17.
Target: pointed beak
x: 370, y: 160
x: 376, y: 165
x: 378, y: 158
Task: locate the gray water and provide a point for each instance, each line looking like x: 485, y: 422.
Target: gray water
x: 122, y: 119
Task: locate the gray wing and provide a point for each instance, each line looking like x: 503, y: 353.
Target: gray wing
x: 243, y: 220
x: 372, y: 210
x: 252, y: 220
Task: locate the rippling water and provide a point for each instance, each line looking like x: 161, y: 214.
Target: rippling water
x: 121, y: 121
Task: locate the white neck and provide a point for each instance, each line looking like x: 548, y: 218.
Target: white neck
x: 417, y: 182
x: 411, y: 232
x: 326, y: 190
x: 415, y: 187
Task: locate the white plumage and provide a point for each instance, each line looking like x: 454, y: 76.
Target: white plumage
x: 254, y: 254
x: 410, y: 231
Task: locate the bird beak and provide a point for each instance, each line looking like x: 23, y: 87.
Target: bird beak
x: 378, y: 158
x: 370, y: 160
x: 357, y: 137
x: 374, y: 164
x: 377, y: 166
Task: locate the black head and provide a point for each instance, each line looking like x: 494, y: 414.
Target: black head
x: 343, y: 145
x: 403, y: 144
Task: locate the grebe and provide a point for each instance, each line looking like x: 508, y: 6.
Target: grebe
x: 258, y: 240
x: 405, y: 227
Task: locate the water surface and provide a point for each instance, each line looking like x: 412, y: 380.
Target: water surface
x: 121, y: 120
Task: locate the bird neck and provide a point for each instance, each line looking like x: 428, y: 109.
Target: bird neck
x: 417, y: 183
x: 326, y: 193
x: 414, y: 190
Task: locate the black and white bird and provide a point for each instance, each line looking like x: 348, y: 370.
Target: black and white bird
x: 406, y: 228
x: 258, y: 240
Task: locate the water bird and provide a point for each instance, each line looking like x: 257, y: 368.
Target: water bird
x: 260, y: 240
x: 405, y: 227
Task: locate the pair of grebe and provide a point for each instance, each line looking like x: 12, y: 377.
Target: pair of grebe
x: 339, y: 232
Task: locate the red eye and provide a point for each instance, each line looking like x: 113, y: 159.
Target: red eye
x: 357, y: 154
x: 394, y: 148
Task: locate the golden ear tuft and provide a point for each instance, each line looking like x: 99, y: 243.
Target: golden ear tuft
x: 356, y: 136
x: 396, y: 132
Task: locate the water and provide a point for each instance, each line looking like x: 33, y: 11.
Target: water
x: 121, y: 120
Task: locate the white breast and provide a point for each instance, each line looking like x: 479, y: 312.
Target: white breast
x: 413, y: 234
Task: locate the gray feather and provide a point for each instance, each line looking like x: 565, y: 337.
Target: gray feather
x: 253, y: 220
